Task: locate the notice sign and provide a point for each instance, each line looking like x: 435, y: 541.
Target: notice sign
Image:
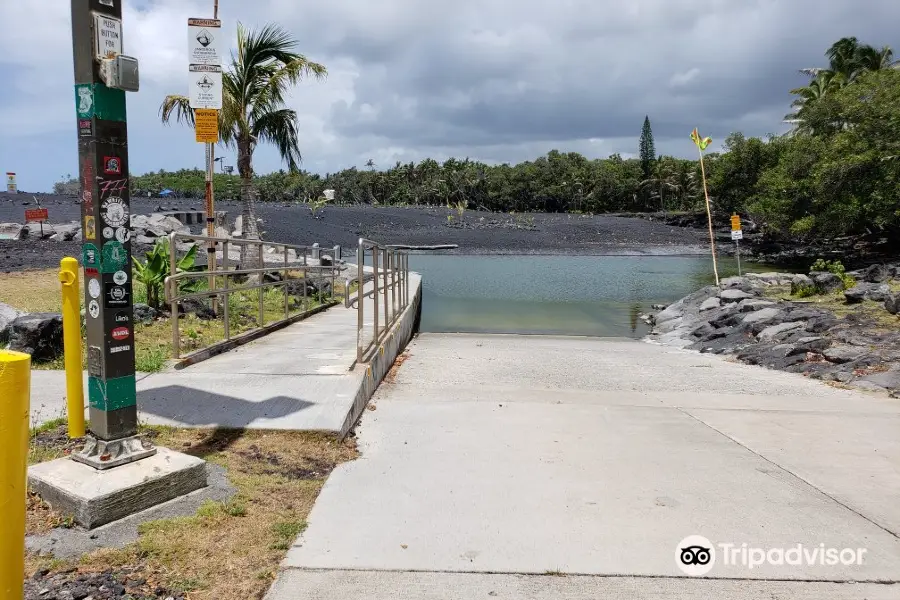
x: 737, y: 234
x: 36, y: 215
x: 11, y: 183
x: 735, y: 223
x: 204, y: 42
x: 107, y: 36
x: 206, y: 125
x: 205, y: 86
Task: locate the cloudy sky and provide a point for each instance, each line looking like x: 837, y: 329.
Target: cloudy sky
x: 494, y: 80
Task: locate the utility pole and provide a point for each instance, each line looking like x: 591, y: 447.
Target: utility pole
x: 102, y: 75
x: 210, y: 200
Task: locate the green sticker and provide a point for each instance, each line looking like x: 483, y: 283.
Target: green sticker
x: 114, y: 257
x: 97, y: 100
x: 112, y: 394
x: 90, y: 257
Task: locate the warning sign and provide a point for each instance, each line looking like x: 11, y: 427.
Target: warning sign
x: 205, y: 86
x: 36, y: 215
x: 735, y: 223
x: 206, y: 125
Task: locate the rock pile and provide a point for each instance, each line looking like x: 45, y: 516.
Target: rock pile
x: 737, y: 318
x: 144, y: 229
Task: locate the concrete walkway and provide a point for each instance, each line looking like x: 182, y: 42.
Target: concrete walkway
x: 299, y: 378
x: 495, y: 464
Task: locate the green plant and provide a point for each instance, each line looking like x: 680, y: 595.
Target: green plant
x: 150, y: 360
x: 805, y: 291
x: 316, y: 206
x: 835, y: 267
x: 153, y: 271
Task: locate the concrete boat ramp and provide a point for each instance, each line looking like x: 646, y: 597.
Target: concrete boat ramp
x: 559, y: 468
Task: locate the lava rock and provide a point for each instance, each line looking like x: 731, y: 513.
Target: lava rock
x: 844, y: 354
x: 746, y: 306
x: 709, y: 304
x: 144, y: 313
x: 826, y: 283
x: 734, y: 295
x: 876, y: 274
x: 7, y: 315
x: 774, y: 332
x: 800, y: 283
x: 867, y: 291
x: 892, y: 303
x: 38, y: 334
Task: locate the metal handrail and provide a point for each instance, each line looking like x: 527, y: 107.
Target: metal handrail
x: 215, y: 294
x: 393, y: 278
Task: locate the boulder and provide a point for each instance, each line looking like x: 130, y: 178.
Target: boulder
x: 867, y: 291
x: 144, y: 313
x: 811, y: 344
x: 762, y: 316
x: 35, y: 230
x: 774, y: 332
x: 746, y: 306
x: 876, y: 274
x: 7, y: 315
x: 800, y: 282
x: 825, y: 282
x: 892, y: 303
x: 66, y: 232
x: 888, y: 379
x: 709, y: 304
x: 734, y: 295
x: 38, y: 334
x: 844, y: 354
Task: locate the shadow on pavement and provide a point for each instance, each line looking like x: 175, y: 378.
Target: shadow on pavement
x: 194, y: 407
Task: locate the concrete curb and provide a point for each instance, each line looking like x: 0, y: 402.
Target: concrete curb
x: 384, y: 356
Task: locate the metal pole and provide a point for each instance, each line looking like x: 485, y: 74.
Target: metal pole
x: 285, y: 280
x: 210, y: 204
x: 387, y: 321
x: 360, y: 256
x: 103, y: 170
x: 375, y: 293
x: 262, y: 312
x: 737, y: 244
x: 226, y: 297
x: 173, y: 292
x: 71, y: 314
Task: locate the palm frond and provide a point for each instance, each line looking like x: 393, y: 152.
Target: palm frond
x: 180, y: 107
x: 280, y: 128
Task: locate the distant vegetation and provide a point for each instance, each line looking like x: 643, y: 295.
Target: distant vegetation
x: 837, y: 172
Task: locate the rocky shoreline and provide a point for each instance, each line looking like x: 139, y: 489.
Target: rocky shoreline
x: 806, y: 324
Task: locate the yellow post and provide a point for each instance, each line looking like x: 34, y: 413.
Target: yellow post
x: 71, y: 315
x: 15, y: 394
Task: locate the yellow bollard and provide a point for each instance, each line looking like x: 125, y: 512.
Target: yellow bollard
x: 15, y: 394
x: 71, y: 316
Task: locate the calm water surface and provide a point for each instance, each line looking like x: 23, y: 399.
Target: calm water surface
x: 581, y: 295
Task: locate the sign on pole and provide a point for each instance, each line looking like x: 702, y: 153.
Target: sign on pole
x: 206, y: 125
x: 206, y: 86
x: 11, y: 187
x: 735, y: 223
x: 204, y: 42
x: 107, y: 36
x: 737, y: 234
x: 36, y: 215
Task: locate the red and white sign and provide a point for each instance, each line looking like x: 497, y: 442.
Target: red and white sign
x: 120, y: 333
x: 33, y: 215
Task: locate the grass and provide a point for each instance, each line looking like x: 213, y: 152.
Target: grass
x: 226, y: 549
x: 837, y: 304
x: 39, y: 291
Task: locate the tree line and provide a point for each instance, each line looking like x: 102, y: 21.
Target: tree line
x: 836, y: 172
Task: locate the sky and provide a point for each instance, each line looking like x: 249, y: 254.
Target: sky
x: 492, y: 80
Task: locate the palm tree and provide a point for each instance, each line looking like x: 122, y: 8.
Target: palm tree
x: 253, y: 105
x: 847, y: 60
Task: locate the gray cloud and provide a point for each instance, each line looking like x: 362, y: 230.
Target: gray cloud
x: 498, y: 80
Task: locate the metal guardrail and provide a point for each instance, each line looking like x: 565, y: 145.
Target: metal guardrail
x: 390, y: 289
x: 293, y: 270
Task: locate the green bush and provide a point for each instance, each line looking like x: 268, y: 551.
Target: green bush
x: 837, y: 268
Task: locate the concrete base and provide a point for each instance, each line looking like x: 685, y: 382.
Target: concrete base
x: 108, y: 454
x: 96, y: 497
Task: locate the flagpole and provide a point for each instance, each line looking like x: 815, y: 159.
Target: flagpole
x: 712, y: 239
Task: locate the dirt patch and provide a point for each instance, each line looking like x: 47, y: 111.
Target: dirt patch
x: 227, y: 549
x: 391, y: 376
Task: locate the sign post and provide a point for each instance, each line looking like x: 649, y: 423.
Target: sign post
x: 106, y: 250
x: 737, y: 235
x: 205, y: 70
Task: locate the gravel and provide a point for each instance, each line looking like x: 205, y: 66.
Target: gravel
x: 475, y: 232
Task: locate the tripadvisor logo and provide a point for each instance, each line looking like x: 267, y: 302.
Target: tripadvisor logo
x: 695, y: 555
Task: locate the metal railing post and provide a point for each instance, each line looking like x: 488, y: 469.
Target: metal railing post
x: 304, y: 277
x: 360, y: 256
x: 284, y: 278
x: 387, y: 320
x: 173, y: 291
x: 226, y: 296
x: 375, y: 293
x: 262, y: 276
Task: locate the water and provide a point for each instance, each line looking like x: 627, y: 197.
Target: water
x: 579, y: 295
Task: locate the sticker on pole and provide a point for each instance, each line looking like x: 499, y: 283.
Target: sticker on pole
x: 107, y: 36
x: 114, y: 212
x: 737, y: 235
x: 114, y: 257
x: 205, y: 83
x: 204, y: 41
x: 93, y: 309
x: 206, y: 125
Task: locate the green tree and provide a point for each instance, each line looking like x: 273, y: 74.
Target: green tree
x: 261, y: 72
x: 647, y: 149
